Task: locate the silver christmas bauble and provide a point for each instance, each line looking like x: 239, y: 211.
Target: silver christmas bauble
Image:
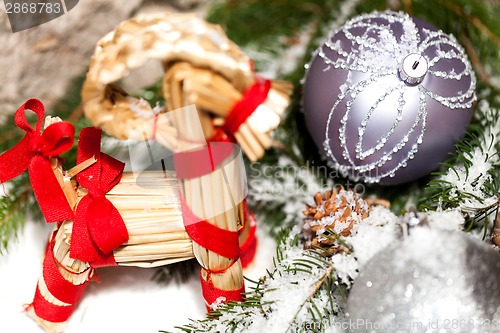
x: 387, y: 96
x: 435, y: 281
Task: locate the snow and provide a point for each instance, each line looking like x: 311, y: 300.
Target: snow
x: 433, y: 276
x: 285, y: 296
x: 377, y: 231
x: 346, y: 268
x: 446, y: 220
x: 285, y: 185
x: 127, y: 300
x: 484, y: 158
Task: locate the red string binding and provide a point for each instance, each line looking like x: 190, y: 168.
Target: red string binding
x: 155, y: 127
x: 217, y: 271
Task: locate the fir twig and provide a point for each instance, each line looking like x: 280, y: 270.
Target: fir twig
x: 326, y: 275
x: 474, y: 58
x: 471, y: 179
x: 475, y: 21
x: 13, y: 209
x: 307, y: 275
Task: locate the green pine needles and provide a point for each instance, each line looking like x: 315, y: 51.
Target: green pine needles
x: 13, y: 210
x: 470, y: 180
x: 300, y: 293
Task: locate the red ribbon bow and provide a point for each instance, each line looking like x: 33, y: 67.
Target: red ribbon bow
x: 33, y: 153
x: 98, y: 228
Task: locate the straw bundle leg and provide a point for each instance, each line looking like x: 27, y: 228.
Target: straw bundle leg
x: 214, y: 97
x: 62, y: 275
x: 210, y: 198
x: 73, y: 271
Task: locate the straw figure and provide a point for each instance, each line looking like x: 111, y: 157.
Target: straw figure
x: 104, y: 216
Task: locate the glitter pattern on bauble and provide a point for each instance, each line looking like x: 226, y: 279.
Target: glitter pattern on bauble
x: 387, y: 96
x: 434, y: 281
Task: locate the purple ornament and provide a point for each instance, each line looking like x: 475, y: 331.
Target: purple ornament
x: 387, y: 96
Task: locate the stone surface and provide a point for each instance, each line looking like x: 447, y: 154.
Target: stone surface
x: 40, y: 62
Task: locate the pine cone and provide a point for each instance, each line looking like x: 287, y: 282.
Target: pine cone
x: 334, y: 213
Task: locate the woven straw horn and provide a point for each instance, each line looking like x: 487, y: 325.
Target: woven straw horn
x: 219, y: 75
x: 215, y: 95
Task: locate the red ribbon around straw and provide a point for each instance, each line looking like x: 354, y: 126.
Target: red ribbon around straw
x: 98, y: 228
x: 59, y: 287
x: 197, y: 163
x: 33, y: 152
x: 253, y: 97
x: 212, y: 294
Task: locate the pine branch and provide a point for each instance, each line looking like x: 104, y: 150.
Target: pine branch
x: 252, y: 303
x: 474, y: 20
x: 307, y: 275
x: 475, y: 24
x: 319, y: 284
x: 306, y: 291
x: 13, y: 209
x: 471, y: 179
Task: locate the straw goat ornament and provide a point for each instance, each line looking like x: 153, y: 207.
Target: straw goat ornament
x: 106, y: 216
